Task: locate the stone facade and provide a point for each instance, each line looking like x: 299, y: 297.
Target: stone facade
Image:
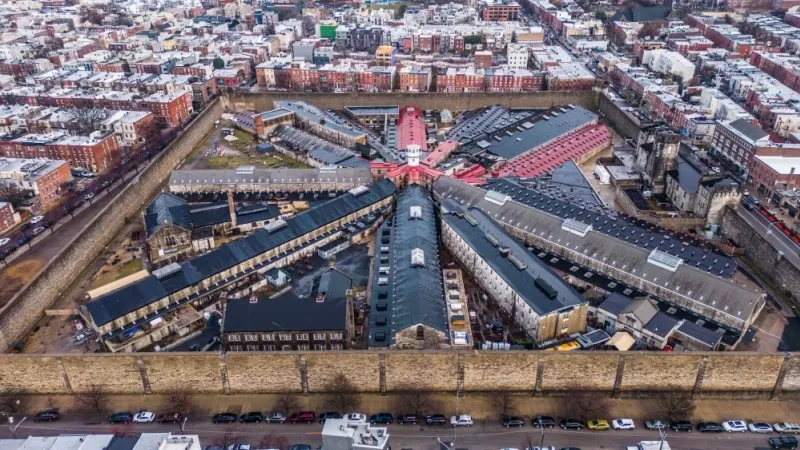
x: 717, y: 375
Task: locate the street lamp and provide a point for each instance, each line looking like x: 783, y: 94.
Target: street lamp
x: 182, y: 425
x: 13, y: 427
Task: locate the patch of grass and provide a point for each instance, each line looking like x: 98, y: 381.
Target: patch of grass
x: 121, y: 270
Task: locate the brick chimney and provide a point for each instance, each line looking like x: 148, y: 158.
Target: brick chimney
x: 232, y: 208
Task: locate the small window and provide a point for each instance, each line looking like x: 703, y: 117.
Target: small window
x: 267, y: 337
x: 319, y: 336
x: 302, y: 336
x: 234, y: 338
x: 420, y: 333
x: 336, y: 336
x: 285, y: 337
x: 286, y: 348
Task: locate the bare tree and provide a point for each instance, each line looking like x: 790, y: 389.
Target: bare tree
x: 504, y: 404
x: 286, y: 403
x: 231, y: 435
x: 13, y: 194
x: 88, y: 119
x: 12, y: 401
x: 676, y: 406
x: 586, y: 406
x: 343, y: 395
x: 274, y: 440
x: 417, y: 402
x: 180, y: 401
x: 94, y: 397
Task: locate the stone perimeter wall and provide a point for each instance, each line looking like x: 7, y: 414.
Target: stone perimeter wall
x: 262, y: 101
x: 706, y: 375
x: 23, y: 311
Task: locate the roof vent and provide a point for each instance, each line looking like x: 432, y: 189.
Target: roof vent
x: 417, y: 258
x: 664, y: 260
x: 471, y: 220
x: 545, y: 287
x: 576, y: 227
x: 415, y: 212
x: 167, y: 270
x: 253, y: 299
x: 496, y: 197
x: 275, y: 226
x: 492, y: 240
x: 245, y: 170
x: 517, y: 262
x: 356, y: 191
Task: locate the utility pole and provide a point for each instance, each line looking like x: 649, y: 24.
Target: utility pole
x: 13, y: 427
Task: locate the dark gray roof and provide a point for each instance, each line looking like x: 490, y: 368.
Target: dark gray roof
x: 747, y: 128
x: 644, y: 309
x: 686, y: 175
x: 592, y: 338
x: 266, y: 177
x: 661, y: 324
x: 274, y: 113
x: 618, y: 225
x: 700, y: 334
x: 476, y: 123
x: 518, y: 138
x: 567, y: 183
x: 615, y: 303
x: 210, y: 214
x: 289, y: 312
x: 122, y: 443
x: 414, y: 294
x: 688, y: 283
x: 150, y: 289
x: 256, y: 212
x: 354, y: 162
x: 526, y: 283
x: 649, y: 13
x: 167, y: 208
x: 373, y: 110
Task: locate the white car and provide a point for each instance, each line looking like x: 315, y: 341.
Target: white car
x: 4, y: 241
x: 622, y: 424
x: 786, y: 427
x: 144, y: 417
x: 356, y: 418
x: 36, y: 219
x: 461, y: 421
x: 738, y: 426
x: 760, y: 427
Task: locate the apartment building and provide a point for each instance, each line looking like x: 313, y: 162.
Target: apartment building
x: 46, y: 178
x: 8, y: 218
x: 500, y: 11
x: 736, y: 142
x: 415, y: 79
x: 569, y: 77
x: 97, y: 152
x: 669, y: 63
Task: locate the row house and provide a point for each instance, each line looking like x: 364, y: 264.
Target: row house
x: 415, y: 79
x: 97, y: 152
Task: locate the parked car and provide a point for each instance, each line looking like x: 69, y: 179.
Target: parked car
x: 681, y: 425
x: 275, y: 417
x: 513, y: 421
x: 88, y: 196
x: 571, y: 424
x: 37, y: 231
x: 436, y: 419
x: 760, y: 427
x: 169, y: 418
x: 734, y: 426
x: 786, y: 427
x: 463, y: 420
x: 303, y: 417
x: 543, y: 422
x: 710, y: 427
x: 4, y: 241
x: 623, y: 424
x: 144, y: 417
x: 789, y: 442
x: 48, y: 415
x: 410, y: 419
x: 36, y: 219
x: 655, y: 425
x: 122, y: 417
x: 251, y: 417
x: 224, y: 418
x: 598, y: 425
x: 381, y: 419
x: 329, y: 415
x: 356, y: 418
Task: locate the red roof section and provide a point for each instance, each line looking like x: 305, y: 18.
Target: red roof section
x: 475, y: 171
x: 557, y: 152
x: 441, y: 153
x: 411, y: 129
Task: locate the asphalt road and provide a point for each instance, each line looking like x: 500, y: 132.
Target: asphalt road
x: 772, y: 234
x: 481, y: 436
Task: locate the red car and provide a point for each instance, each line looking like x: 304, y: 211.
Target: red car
x: 169, y: 418
x: 303, y: 417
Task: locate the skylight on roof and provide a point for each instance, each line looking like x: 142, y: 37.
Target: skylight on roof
x: 664, y: 260
x: 496, y: 197
x: 417, y: 258
x: 576, y: 227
